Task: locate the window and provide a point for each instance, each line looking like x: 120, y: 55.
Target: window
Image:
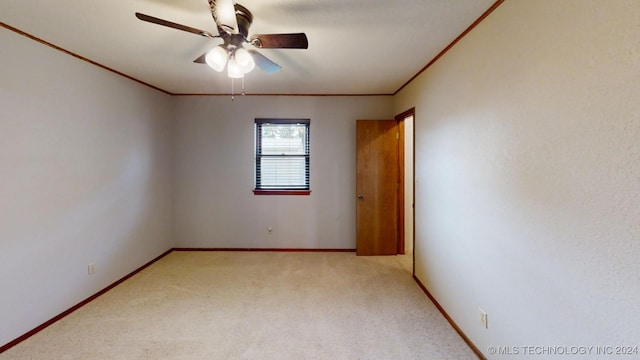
x: 282, y: 157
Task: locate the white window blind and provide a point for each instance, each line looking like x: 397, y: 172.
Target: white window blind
x: 282, y: 154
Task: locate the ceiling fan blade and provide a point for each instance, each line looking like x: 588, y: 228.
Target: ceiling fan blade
x: 224, y: 14
x: 173, y: 25
x: 264, y: 63
x: 280, y: 41
x: 201, y: 59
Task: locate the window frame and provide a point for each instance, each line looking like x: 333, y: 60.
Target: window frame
x: 258, y: 122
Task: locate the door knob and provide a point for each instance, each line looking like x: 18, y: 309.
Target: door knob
x: 360, y: 197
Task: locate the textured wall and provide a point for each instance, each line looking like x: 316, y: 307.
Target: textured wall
x: 85, y: 178
x: 215, y: 205
x: 528, y: 175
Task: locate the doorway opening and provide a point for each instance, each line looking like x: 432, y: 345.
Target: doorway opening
x: 385, y: 188
x: 406, y: 214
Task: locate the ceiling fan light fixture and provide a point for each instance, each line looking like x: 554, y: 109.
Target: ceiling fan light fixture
x: 233, y: 21
x: 217, y: 58
x: 245, y: 60
x: 233, y: 69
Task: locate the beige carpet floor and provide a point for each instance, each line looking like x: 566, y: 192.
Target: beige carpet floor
x: 255, y: 305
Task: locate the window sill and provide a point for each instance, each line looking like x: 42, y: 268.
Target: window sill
x: 281, y: 192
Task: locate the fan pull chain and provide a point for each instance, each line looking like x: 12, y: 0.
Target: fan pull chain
x: 242, y: 86
x: 232, y: 89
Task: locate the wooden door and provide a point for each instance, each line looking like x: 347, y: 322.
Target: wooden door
x: 377, y: 173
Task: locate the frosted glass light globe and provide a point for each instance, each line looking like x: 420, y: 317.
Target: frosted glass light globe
x: 244, y: 60
x: 217, y: 58
x: 233, y: 69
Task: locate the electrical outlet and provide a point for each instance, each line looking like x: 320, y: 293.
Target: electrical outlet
x: 91, y: 269
x: 484, y: 319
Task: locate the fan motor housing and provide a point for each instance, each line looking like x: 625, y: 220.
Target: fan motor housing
x: 244, y: 18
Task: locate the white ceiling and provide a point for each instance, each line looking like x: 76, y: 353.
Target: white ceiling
x: 355, y: 46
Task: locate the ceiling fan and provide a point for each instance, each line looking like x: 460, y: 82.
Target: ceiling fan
x: 233, y: 22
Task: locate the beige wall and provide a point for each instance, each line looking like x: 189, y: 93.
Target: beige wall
x: 85, y: 177
x: 527, y: 170
x: 215, y: 205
